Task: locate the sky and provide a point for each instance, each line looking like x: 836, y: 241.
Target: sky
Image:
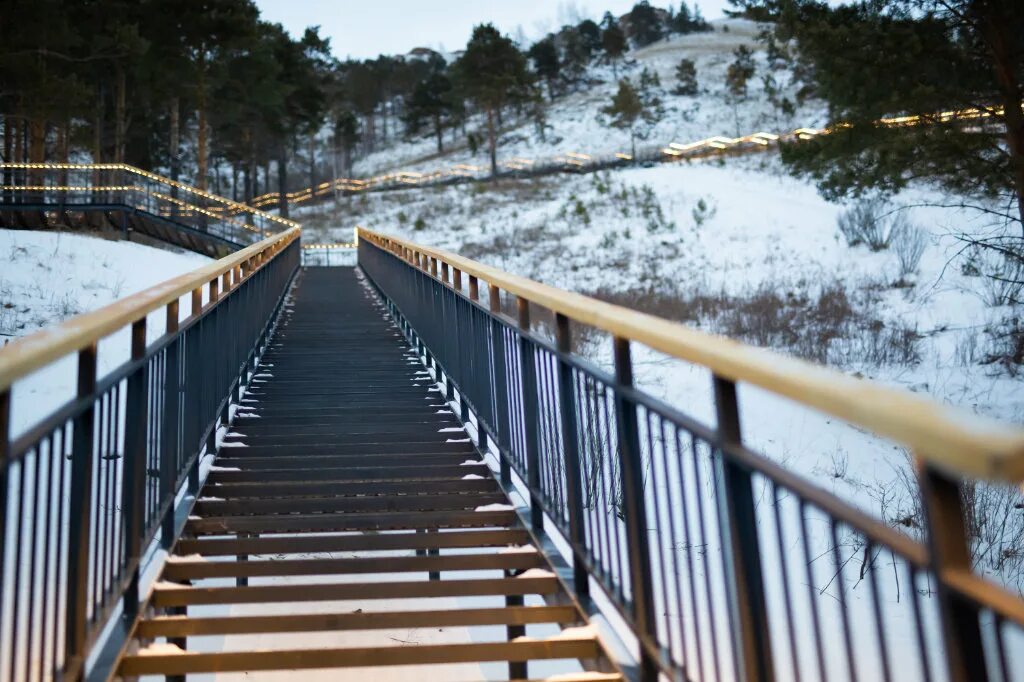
x: 365, y: 28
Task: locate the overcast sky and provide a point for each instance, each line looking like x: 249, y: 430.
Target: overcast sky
x: 366, y: 28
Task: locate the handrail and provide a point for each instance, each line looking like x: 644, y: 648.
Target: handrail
x: 951, y: 439
x: 234, y: 205
x: 27, y: 354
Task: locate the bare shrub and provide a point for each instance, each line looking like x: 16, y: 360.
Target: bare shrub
x: 871, y: 222
x: 909, y: 243
x: 1004, y: 281
x: 1006, y: 346
x: 966, y: 352
x: 825, y: 324
x: 993, y: 516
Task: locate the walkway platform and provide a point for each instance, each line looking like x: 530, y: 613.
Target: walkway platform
x: 349, y: 522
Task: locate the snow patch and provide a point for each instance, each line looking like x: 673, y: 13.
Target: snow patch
x: 162, y: 649
x: 472, y: 477
x: 536, y: 573
x: 518, y: 549
x: 494, y: 507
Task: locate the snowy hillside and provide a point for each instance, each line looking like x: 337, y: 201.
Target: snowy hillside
x: 48, y: 277
x: 574, y: 126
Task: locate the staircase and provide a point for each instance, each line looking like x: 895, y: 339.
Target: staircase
x: 349, y: 522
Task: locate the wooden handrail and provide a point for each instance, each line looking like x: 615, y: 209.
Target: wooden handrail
x: 27, y: 354
x: 950, y: 439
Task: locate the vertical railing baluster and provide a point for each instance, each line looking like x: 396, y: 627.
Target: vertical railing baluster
x: 949, y: 551
x: 571, y: 454
x: 5, y: 454
x: 80, y: 509
x: 135, y: 451
x: 502, y: 421
x: 531, y: 413
x: 738, y: 526
x: 171, y: 430
x: 634, y: 507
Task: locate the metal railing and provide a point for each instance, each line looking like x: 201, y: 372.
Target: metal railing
x: 53, y: 186
x: 723, y: 564
x: 88, y: 491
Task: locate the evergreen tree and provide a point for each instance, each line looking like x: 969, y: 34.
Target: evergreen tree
x: 346, y: 136
x: 590, y: 36
x: 632, y: 108
x: 686, y: 77
x: 740, y: 72
x: 494, y: 74
x: 546, y: 63
x: 613, y: 40
x: 645, y: 24
x: 915, y: 58
x: 207, y: 30
x: 431, y: 100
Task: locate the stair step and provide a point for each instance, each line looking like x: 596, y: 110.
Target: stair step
x: 314, y: 505
x: 296, y: 523
x: 303, y: 659
x: 252, y: 568
x: 176, y: 626
x: 164, y: 596
x: 352, y: 543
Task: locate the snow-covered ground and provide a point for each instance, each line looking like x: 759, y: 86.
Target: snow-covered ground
x: 48, y: 277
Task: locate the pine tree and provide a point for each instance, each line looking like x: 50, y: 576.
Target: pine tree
x: 645, y: 24
x: 546, y: 63
x: 431, y: 100
x: 921, y: 57
x: 686, y: 75
x: 493, y: 73
x: 632, y: 108
x: 740, y: 72
x: 613, y: 40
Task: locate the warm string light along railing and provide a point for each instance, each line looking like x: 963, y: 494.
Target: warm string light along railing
x: 220, y: 208
x: 576, y: 160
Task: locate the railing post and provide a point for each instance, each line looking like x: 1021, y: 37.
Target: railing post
x: 501, y: 420
x: 634, y: 508
x: 211, y: 438
x: 571, y: 453
x: 528, y: 373
x: 171, y: 424
x: 949, y: 551
x: 5, y: 453
x: 80, y: 511
x: 738, y: 525
x: 481, y: 435
x: 134, y: 491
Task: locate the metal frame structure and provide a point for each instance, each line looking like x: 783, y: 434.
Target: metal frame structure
x: 673, y: 518
x: 131, y: 198
x: 87, y: 493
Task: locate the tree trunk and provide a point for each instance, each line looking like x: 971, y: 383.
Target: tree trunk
x: 120, y: 108
x: 995, y: 27
x: 97, y: 129
x: 8, y: 178
x: 312, y: 162
x: 174, y: 144
x: 492, y: 142
x: 202, y: 144
x: 282, y: 183
x: 439, y: 132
